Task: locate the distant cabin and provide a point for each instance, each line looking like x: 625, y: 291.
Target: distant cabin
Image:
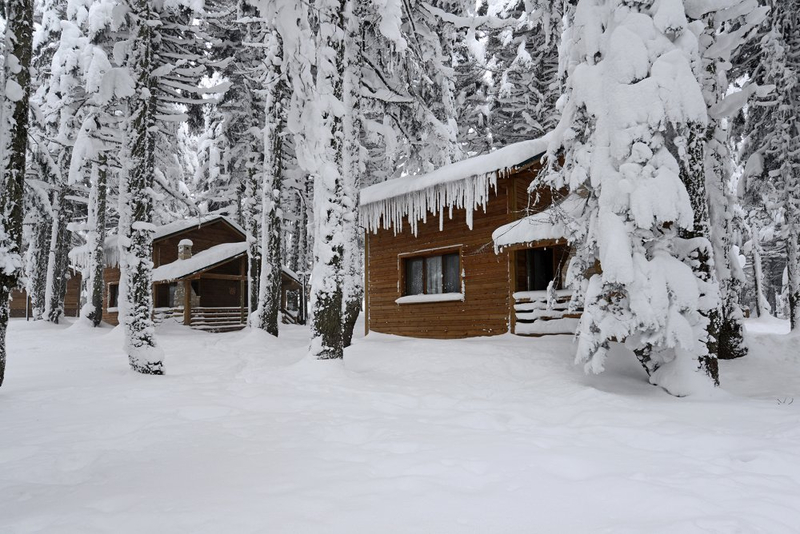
x: 199, y: 276
x: 465, y: 250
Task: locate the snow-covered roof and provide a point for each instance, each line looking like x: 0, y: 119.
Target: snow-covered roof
x: 199, y: 262
x: 182, y: 225
x: 80, y: 255
x: 551, y: 223
x: 464, y: 184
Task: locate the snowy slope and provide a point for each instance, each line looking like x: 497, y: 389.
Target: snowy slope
x: 489, y: 435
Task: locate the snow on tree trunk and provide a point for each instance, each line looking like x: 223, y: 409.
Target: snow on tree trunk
x: 793, y: 278
x: 251, y: 223
x: 57, y: 258
x: 95, y: 241
x: 716, y: 44
x: 269, y: 301
x: 630, y: 83
x: 36, y: 264
x: 14, y: 98
x: 353, y: 287
x: 762, y: 304
x: 136, y: 206
x: 327, y: 275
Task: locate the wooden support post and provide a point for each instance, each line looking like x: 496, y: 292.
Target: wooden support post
x: 244, y: 300
x: 366, y: 282
x: 187, y: 302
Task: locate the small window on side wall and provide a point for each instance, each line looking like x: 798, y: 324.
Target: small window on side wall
x: 432, y: 275
x: 113, y: 295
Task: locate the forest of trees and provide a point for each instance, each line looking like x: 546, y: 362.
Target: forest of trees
x: 678, y: 120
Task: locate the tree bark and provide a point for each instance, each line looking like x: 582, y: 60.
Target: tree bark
x: 14, y: 100
x: 136, y: 262
x: 268, y: 312
x: 98, y: 255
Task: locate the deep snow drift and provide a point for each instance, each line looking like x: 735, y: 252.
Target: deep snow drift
x: 486, y: 435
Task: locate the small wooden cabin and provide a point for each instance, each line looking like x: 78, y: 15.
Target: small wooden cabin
x: 199, y: 276
x: 466, y: 251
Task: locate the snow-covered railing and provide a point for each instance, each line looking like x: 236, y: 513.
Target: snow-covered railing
x: 206, y: 318
x: 537, y: 313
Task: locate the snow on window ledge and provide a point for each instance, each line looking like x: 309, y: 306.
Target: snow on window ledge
x: 436, y: 297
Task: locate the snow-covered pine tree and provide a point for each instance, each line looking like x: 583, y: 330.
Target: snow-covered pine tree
x: 528, y: 84
x: 16, y: 85
x: 769, y: 136
x: 630, y: 92
x: 727, y: 25
x: 55, y: 61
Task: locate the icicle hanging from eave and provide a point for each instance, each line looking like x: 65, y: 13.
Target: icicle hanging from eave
x: 468, y: 194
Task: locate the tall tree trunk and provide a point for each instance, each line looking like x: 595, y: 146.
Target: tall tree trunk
x: 269, y: 303
x: 13, y: 144
x: 762, y: 304
x: 793, y: 272
x: 136, y: 207
x: 353, y: 286
x: 58, y: 251
x: 327, y: 277
x: 94, y: 308
x: 37, y: 264
x: 251, y: 224
x: 701, y: 257
x: 728, y: 330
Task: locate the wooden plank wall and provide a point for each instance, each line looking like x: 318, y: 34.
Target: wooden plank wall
x: 110, y: 276
x: 72, y: 305
x: 485, y: 309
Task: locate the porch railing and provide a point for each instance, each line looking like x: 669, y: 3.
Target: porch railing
x: 206, y: 318
x: 537, y: 314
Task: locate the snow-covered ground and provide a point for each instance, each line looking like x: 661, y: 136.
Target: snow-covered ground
x: 486, y: 435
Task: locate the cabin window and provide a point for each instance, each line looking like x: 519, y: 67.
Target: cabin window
x: 113, y: 295
x: 432, y: 275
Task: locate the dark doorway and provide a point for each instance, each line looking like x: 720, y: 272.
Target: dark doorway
x: 536, y: 267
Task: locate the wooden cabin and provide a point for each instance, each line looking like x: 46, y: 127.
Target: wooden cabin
x: 199, y: 276
x: 20, y: 304
x: 466, y: 250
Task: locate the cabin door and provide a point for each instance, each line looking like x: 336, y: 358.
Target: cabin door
x: 536, y: 267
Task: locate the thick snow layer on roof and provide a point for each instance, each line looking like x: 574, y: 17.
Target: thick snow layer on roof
x: 464, y: 184
x: 80, y: 255
x: 551, y: 223
x: 187, y: 224
x: 202, y: 260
